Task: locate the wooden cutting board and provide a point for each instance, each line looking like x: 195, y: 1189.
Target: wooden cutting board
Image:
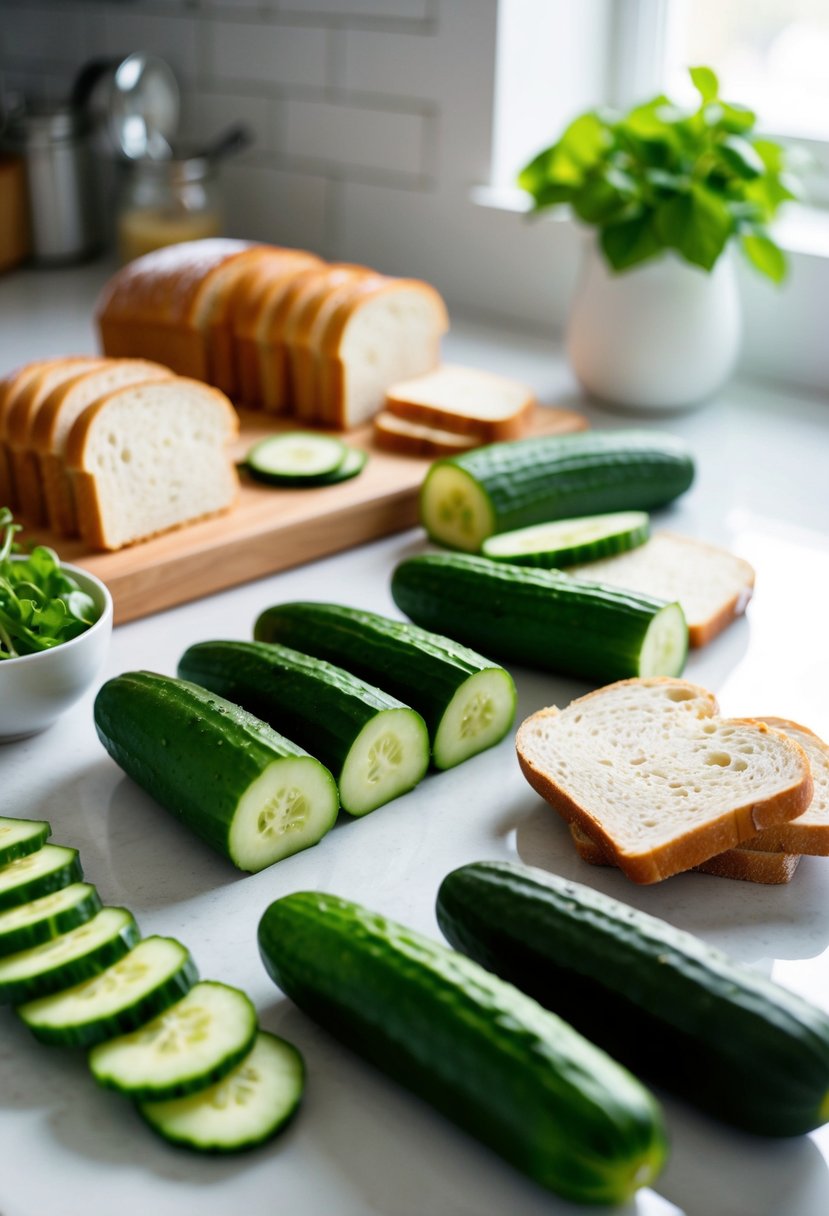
x: 269, y: 530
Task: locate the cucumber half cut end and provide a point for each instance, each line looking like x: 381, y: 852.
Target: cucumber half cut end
x: 665, y: 644
x: 251, y: 1104
x: 454, y: 508
x: 478, y: 716
x: 565, y: 542
x: 289, y: 807
x: 388, y: 757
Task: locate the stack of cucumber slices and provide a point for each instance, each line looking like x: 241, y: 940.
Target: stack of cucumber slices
x: 190, y: 1054
x: 297, y: 459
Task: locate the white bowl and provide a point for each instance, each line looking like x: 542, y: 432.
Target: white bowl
x: 35, y: 689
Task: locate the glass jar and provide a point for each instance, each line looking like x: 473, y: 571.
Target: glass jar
x: 163, y: 202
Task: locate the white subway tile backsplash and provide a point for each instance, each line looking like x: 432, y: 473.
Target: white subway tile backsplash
x: 52, y: 35
x: 409, y: 10
x: 268, y: 54
x: 207, y: 112
x: 350, y: 135
x: 171, y: 36
x: 272, y: 205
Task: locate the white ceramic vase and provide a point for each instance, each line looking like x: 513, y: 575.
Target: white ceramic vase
x: 660, y: 337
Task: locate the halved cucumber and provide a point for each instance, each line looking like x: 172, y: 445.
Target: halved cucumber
x: 154, y: 975
x: 19, y: 837
x: 296, y: 458
x: 376, y: 747
x: 250, y: 1105
x: 39, y: 921
x: 68, y: 959
x: 253, y: 795
x: 49, y: 869
x: 193, y: 1044
x: 567, y: 541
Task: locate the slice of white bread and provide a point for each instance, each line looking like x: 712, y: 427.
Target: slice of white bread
x: 651, y: 773
x: 809, y: 832
x: 12, y: 384
x: 20, y: 419
x: 149, y: 457
x: 395, y: 434
x: 465, y: 399
x: 713, y: 585
x: 745, y: 863
x: 159, y: 306
x: 55, y: 420
x: 389, y: 332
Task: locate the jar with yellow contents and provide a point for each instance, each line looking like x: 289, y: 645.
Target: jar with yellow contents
x: 163, y: 202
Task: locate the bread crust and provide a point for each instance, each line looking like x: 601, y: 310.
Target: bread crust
x: 795, y: 836
x: 406, y: 405
x: 395, y: 434
x: 702, y: 840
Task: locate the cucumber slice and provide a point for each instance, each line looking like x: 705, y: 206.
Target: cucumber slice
x: 154, y: 975
x: 376, y: 747
x: 297, y: 458
x: 19, y: 837
x: 567, y: 541
x: 68, y: 959
x: 190, y: 1046
x: 354, y: 463
x: 49, y: 869
x: 50, y: 916
x: 250, y: 1105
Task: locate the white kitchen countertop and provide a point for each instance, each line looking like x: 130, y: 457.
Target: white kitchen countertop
x: 361, y: 1146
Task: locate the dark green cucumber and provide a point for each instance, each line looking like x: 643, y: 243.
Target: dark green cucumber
x: 47, y: 917
x: 467, y: 702
x: 542, y: 618
x: 156, y: 973
x: 19, y: 837
x: 485, y: 1055
x: 468, y: 497
x: 66, y: 960
x: 251, y: 794
x: 49, y: 869
x: 249, y: 1106
x: 375, y: 746
x: 720, y: 1034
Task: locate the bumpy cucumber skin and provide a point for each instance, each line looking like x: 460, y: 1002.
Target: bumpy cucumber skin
x: 22, y: 848
x: 97, y: 1030
x: 488, y: 1057
x: 421, y: 668
x: 72, y: 971
x: 44, y: 884
x: 719, y: 1034
x: 194, y: 752
x: 323, y: 707
x: 530, y: 481
x: 540, y: 618
x: 44, y: 930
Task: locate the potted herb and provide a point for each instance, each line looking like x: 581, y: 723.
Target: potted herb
x: 655, y: 323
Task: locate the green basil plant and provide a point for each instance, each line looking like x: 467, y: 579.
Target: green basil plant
x: 662, y: 177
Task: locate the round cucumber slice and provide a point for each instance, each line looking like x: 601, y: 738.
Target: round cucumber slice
x: 454, y: 508
x: 19, y: 837
x: 39, y: 921
x: 478, y: 716
x: 567, y: 541
x: 191, y: 1045
x: 296, y: 458
x: 49, y: 869
x: 354, y: 463
x: 665, y: 644
x: 388, y: 757
x: 70, y: 958
x: 154, y: 975
x: 250, y: 1105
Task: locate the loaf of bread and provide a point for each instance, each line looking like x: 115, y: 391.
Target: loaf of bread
x: 149, y: 457
x: 483, y: 404
x: 712, y: 585
x: 657, y: 779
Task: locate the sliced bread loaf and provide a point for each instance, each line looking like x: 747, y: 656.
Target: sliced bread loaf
x: 465, y: 399
x: 712, y: 585
x: 414, y: 439
x: 55, y: 420
x: 149, y: 457
x: 11, y: 386
x: 657, y: 779
x: 744, y: 863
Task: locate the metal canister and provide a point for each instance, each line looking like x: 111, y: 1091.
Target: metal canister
x: 55, y: 145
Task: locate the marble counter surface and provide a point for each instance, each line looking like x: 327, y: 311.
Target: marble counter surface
x: 361, y: 1146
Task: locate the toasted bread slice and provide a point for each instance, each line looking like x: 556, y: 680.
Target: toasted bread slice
x: 465, y: 399
x: 744, y: 863
x: 713, y: 585
x: 650, y: 772
x: 395, y: 434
